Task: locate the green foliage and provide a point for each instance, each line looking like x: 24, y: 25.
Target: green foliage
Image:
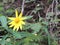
x: 9, y: 11
x: 28, y: 17
x: 3, y: 20
x: 1, y: 8
x: 26, y: 37
x: 36, y: 27
x: 34, y: 33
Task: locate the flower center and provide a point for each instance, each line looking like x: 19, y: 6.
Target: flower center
x: 17, y: 20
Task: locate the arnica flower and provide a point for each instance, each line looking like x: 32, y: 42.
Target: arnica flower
x: 17, y: 22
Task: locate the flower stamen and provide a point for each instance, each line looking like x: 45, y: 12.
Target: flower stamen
x: 17, y: 20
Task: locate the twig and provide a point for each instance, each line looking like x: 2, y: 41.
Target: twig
x: 28, y: 13
x: 48, y: 10
x: 52, y: 6
x: 23, y: 6
x: 56, y: 9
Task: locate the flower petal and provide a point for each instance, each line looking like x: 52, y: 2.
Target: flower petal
x: 11, y: 25
x: 16, y: 12
x: 12, y: 22
x: 11, y: 18
x: 17, y: 28
x: 21, y: 26
x: 23, y: 22
x: 14, y: 27
x: 20, y: 15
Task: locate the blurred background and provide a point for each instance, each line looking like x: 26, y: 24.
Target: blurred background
x: 47, y: 9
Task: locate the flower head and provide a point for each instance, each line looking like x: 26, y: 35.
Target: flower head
x: 17, y: 22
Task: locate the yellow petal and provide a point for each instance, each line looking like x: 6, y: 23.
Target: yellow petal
x: 17, y: 28
x: 14, y: 27
x: 23, y: 22
x: 16, y: 12
x: 20, y: 15
x: 21, y: 26
x: 11, y: 25
x: 11, y: 18
x: 12, y: 22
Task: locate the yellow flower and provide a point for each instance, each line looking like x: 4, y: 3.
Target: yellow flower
x: 17, y: 22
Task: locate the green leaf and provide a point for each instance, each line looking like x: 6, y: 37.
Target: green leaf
x: 36, y: 27
x: 8, y: 43
x: 18, y: 42
x: 1, y: 8
x: 17, y: 35
x: 1, y: 15
x: 3, y: 41
x: 46, y: 30
x: 27, y: 17
x: 3, y: 20
x: 54, y: 43
x: 10, y: 11
x: 45, y: 23
x: 27, y: 26
x: 40, y: 19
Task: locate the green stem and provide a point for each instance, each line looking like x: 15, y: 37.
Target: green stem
x: 48, y: 36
